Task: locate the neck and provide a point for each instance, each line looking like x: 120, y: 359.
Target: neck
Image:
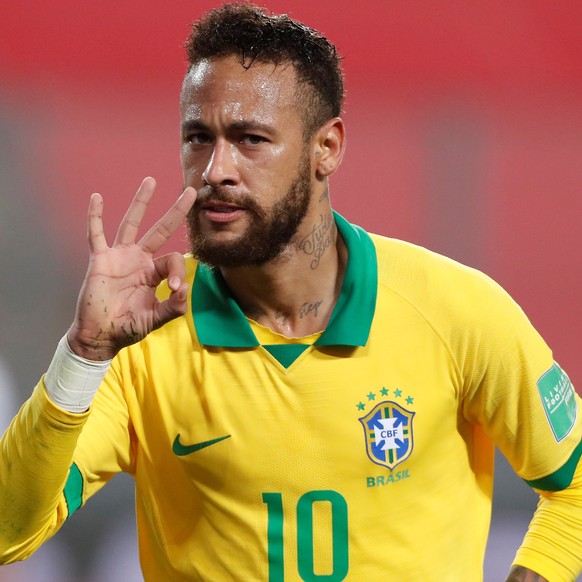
x: 295, y: 294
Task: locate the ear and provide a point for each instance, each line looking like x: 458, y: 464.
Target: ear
x: 328, y: 147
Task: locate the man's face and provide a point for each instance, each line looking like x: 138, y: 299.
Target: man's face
x: 243, y: 150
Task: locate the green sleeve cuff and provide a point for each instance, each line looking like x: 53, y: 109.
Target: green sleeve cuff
x: 561, y: 478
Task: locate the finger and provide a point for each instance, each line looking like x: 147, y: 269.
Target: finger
x: 95, y: 234
x: 173, y: 268
x: 155, y: 238
x: 129, y: 226
x: 174, y: 306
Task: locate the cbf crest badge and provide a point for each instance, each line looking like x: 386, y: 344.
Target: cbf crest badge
x: 388, y: 433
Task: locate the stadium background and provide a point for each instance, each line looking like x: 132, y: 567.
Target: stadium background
x: 464, y: 135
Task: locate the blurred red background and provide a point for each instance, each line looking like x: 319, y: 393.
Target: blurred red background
x: 464, y: 125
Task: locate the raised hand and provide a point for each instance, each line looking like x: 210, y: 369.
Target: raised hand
x: 117, y: 305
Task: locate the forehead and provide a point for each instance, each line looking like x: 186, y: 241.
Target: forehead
x: 263, y: 92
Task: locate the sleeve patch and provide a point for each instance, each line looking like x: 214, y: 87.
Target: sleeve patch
x: 557, y: 396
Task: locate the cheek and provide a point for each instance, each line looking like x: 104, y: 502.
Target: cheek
x: 187, y: 172
x: 275, y: 167
x: 192, y: 167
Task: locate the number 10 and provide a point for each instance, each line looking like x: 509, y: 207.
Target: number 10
x: 305, y: 560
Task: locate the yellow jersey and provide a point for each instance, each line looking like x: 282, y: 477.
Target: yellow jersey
x: 361, y: 453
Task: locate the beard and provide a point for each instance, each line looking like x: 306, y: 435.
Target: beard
x: 268, y: 233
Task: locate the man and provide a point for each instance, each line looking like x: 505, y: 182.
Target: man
x: 298, y: 400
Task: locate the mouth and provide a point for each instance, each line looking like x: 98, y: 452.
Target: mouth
x: 216, y: 211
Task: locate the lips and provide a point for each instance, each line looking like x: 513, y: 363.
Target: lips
x: 220, y: 207
x: 221, y: 211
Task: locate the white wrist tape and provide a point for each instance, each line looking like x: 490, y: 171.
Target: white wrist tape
x: 71, y: 381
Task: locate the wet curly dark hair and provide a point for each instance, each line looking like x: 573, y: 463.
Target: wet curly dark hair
x: 248, y: 31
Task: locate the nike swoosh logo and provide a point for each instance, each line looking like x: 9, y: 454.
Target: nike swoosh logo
x: 181, y: 450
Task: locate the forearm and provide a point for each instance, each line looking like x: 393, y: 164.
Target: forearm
x: 521, y: 574
x: 35, y: 456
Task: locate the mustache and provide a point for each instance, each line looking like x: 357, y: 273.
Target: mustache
x: 226, y: 195
x: 219, y: 194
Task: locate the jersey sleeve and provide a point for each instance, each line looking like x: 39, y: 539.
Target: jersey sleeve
x: 526, y: 403
x: 553, y: 546
x: 514, y: 389
x: 106, y: 444
x: 36, y: 454
x: 52, y: 461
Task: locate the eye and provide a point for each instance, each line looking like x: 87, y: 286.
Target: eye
x: 253, y: 139
x: 198, y: 138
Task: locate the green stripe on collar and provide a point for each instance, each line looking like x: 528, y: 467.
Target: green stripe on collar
x: 352, y: 316
x: 219, y: 321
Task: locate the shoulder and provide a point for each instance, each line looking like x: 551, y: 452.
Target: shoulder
x: 415, y: 269
x: 445, y: 291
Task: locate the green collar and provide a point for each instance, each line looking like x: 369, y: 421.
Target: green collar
x: 220, y: 322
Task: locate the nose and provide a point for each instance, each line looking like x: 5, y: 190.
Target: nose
x: 221, y: 168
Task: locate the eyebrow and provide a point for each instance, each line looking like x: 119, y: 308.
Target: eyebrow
x: 196, y: 124
x: 193, y: 124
